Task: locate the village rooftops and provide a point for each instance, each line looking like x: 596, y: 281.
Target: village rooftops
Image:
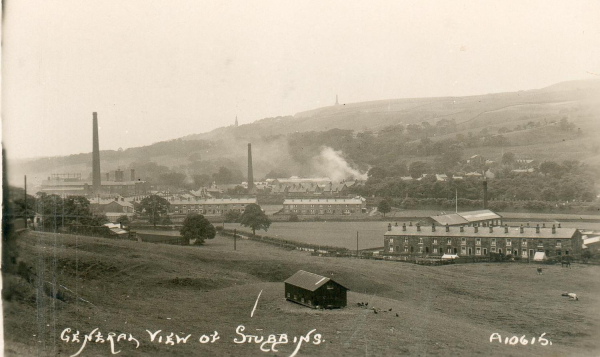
x: 355, y: 200
x: 295, y: 179
x: 212, y: 201
x: 307, y: 281
x: 483, y: 232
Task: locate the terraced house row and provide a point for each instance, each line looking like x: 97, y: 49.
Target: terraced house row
x: 481, y: 241
x: 325, y: 206
x: 209, y: 207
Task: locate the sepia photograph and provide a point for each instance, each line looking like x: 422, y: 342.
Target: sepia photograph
x: 300, y: 178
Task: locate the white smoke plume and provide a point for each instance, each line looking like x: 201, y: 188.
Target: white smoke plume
x: 330, y: 163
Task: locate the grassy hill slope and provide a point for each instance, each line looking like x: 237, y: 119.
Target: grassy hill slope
x: 130, y: 287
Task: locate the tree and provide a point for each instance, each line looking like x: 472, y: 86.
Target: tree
x: 174, y: 179
x: 166, y: 221
x: 154, y: 206
x: 255, y: 218
x: 384, y: 207
x: 202, y: 180
x: 196, y: 226
x: 417, y: 168
x: 508, y: 158
x: 377, y: 172
x: 586, y: 255
x: 232, y: 216
x: 123, y: 219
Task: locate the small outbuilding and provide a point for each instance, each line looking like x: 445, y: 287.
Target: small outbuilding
x: 315, y: 291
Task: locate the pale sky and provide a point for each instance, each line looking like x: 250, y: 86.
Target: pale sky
x: 158, y: 70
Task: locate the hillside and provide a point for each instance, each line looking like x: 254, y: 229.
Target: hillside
x: 129, y: 287
x: 575, y: 100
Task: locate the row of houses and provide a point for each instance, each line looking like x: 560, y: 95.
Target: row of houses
x: 325, y: 206
x: 480, y: 239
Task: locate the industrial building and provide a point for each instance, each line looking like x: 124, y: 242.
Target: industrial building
x: 480, y: 217
x: 325, y: 206
x: 210, y: 206
x: 72, y: 184
x: 315, y: 291
x: 416, y: 240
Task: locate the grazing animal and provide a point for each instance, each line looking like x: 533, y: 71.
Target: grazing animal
x: 390, y: 309
x: 565, y: 262
x: 572, y: 296
x: 539, y: 270
x: 397, y: 315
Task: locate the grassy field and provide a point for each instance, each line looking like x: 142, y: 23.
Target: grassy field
x: 129, y: 287
x: 343, y: 234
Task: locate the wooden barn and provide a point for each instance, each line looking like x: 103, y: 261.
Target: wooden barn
x: 315, y: 291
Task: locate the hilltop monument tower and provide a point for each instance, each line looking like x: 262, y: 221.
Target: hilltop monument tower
x: 236, y: 122
x: 336, y: 100
x: 250, y: 173
x: 96, y: 176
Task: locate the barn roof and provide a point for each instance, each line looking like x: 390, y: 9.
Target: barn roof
x: 308, y: 281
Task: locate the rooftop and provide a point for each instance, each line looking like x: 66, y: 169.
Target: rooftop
x: 308, y: 281
x: 466, y: 217
x: 497, y: 232
x: 355, y: 200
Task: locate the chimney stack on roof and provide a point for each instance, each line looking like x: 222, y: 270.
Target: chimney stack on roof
x: 418, y: 227
x: 522, y: 229
x: 462, y: 229
x: 433, y: 227
x: 559, y: 225
x: 537, y: 228
x: 389, y: 227
x: 491, y: 229
x: 404, y: 226
x: 553, y: 229
x: 506, y: 228
x: 447, y: 228
x: 410, y: 223
x: 476, y: 229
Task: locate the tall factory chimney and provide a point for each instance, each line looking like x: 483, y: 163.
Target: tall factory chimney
x: 485, y: 194
x: 96, y: 176
x: 250, y: 173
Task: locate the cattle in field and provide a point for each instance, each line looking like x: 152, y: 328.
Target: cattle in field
x: 572, y: 296
x: 539, y: 271
x: 565, y: 262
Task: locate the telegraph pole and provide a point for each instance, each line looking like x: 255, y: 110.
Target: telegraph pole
x: 357, y: 244
x: 234, y: 238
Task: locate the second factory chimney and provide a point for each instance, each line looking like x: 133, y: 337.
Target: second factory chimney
x: 250, y: 173
x: 96, y: 175
x: 485, y: 194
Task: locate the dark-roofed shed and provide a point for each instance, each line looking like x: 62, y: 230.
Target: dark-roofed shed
x: 315, y: 291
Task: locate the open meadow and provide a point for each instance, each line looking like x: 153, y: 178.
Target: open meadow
x: 130, y: 287
x: 343, y: 234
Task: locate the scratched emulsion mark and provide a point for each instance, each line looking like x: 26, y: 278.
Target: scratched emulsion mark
x: 359, y: 323
x: 255, y: 304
